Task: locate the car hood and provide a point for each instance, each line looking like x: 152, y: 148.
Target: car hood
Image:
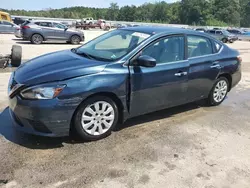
x: 56, y: 66
x: 75, y: 31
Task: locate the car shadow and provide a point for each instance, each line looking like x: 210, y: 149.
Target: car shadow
x: 17, y: 39
x: 162, y: 114
x: 29, y: 141
x: 38, y: 142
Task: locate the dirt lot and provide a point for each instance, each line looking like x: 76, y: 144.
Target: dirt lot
x: 190, y: 146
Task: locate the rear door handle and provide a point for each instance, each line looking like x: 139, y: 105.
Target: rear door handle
x: 179, y: 74
x: 215, y: 65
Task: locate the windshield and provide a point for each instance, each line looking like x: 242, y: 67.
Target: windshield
x: 112, y: 45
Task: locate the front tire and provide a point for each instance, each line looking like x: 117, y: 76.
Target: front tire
x: 75, y: 39
x: 96, y: 118
x: 219, y: 92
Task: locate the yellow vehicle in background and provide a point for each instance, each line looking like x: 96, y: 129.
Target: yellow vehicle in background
x: 5, y: 16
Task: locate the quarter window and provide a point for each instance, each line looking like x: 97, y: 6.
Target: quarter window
x: 199, y: 46
x: 166, y: 50
x: 217, y: 46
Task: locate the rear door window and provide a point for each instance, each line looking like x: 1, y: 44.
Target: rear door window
x: 199, y: 46
x: 46, y: 24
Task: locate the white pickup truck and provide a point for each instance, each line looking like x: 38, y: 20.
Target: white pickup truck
x: 89, y: 20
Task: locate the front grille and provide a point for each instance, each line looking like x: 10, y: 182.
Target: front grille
x: 39, y: 126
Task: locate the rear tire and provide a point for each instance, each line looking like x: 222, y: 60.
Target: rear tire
x: 219, y: 92
x: 75, y: 39
x: 96, y: 118
x: 16, y: 55
x: 36, y: 39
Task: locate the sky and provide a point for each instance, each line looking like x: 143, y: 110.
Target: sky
x: 43, y: 4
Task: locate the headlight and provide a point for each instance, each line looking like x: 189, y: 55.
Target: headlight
x: 42, y: 92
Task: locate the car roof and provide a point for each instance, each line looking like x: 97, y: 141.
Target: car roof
x: 164, y: 30
x: 32, y: 21
x: 216, y: 30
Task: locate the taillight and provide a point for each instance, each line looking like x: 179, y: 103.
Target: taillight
x: 239, y: 59
x: 17, y: 28
x: 25, y: 27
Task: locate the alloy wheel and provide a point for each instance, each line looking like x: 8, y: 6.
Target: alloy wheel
x: 75, y: 40
x: 220, y: 91
x: 37, y: 39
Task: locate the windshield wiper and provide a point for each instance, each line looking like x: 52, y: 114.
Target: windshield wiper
x: 82, y: 54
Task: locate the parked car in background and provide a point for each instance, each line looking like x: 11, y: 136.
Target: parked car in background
x: 8, y: 27
x: 118, y: 26
x: 19, y: 21
x: 201, y: 30
x: 240, y: 34
x: 223, y: 35
x: 66, y: 24
x: 122, y: 74
x: 38, y: 31
x: 89, y: 20
x: 18, y: 32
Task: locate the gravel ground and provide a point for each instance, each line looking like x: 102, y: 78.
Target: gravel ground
x: 188, y: 146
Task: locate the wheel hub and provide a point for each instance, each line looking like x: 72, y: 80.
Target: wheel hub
x: 98, y: 118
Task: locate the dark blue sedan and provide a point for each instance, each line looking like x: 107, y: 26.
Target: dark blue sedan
x: 121, y: 74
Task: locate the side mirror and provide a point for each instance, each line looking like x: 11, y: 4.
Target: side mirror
x: 66, y: 28
x: 145, y: 61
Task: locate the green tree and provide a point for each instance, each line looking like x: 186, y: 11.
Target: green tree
x: 192, y: 12
x: 113, y: 11
x: 227, y: 11
x: 245, y: 13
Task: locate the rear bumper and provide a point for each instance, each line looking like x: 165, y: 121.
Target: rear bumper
x: 18, y: 34
x: 236, y: 77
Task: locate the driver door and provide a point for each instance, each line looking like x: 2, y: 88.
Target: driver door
x: 59, y: 31
x: 164, y: 85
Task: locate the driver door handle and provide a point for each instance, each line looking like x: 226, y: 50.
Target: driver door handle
x: 179, y: 74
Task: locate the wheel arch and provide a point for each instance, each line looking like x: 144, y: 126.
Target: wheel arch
x: 38, y: 34
x: 228, y: 77
x: 75, y: 34
x: 110, y: 95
